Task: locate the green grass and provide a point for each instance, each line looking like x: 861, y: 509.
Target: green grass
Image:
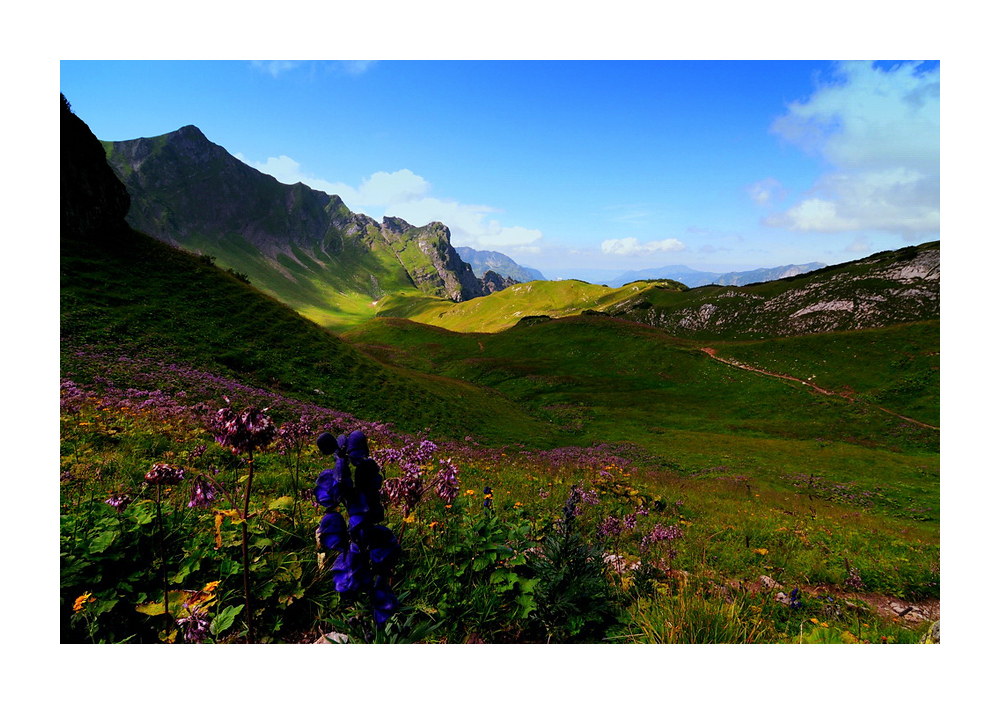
x: 138, y: 297
x: 507, y: 308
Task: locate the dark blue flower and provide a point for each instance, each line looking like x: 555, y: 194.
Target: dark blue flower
x: 383, y: 549
x: 356, y: 446
x: 384, y: 602
x: 326, y: 443
x: 350, y: 571
x: 333, y: 532
x: 368, y: 477
x: 333, y: 484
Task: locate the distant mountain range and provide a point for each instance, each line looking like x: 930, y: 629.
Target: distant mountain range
x: 483, y: 261
x: 693, y: 278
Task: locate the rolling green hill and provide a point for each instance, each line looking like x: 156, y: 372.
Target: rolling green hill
x: 884, y: 289
x: 507, y: 308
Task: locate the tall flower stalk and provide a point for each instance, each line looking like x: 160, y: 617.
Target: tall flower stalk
x: 366, y: 551
x: 243, y: 433
x: 161, y: 475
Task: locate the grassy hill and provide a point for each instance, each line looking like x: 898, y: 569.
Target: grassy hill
x: 128, y: 294
x: 507, y: 308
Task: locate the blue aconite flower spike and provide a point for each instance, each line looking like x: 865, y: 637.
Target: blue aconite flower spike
x: 326, y: 443
x: 357, y: 446
x: 333, y: 532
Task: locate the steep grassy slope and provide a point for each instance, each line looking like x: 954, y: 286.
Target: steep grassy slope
x: 145, y: 298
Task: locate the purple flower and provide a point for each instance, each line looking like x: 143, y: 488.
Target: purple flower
x: 610, y: 526
x: 383, y: 549
x: 350, y: 571
x: 659, y: 534
x: 164, y: 474
x: 195, y: 624
x: 447, y: 481
x: 327, y: 444
x: 119, y: 502
x: 246, y: 431
x: 202, y: 493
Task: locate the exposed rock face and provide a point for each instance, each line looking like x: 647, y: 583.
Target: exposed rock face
x: 192, y: 193
x: 93, y: 202
x: 493, y: 282
x: 883, y: 289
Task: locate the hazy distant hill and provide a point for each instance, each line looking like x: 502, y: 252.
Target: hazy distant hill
x: 483, y: 261
x: 693, y: 278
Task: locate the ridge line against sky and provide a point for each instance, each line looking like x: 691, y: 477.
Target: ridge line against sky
x: 578, y: 169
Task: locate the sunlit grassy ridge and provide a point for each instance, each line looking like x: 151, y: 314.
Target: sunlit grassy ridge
x: 506, y: 308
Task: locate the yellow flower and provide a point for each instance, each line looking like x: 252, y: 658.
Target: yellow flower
x: 761, y: 551
x: 409, y: 519
x: 815, y: 620
x: 82, y: 601
x: 516, y: 504
x: 825, y: 624
x: 470, y: 492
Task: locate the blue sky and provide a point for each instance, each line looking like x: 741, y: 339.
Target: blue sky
x: 573, y: 167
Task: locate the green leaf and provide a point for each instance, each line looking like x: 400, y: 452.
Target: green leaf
x: 102, y: 541
x: 282, y: 503
x: 143, y: 512
x: 224, y: 620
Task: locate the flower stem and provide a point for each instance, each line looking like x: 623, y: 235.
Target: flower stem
x: 163, y: 563
x: 246, y: 551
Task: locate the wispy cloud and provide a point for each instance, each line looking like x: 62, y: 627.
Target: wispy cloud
x: 766, y: 191
x: 878, y: 130
x: 275, y: 68
x: 630, y: 246
x: 351, y: 68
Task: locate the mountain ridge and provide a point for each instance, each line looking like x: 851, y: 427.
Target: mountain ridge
x: 695, y: 278
x: 294, y: 242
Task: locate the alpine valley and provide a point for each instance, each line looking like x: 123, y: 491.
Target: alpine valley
x: 563, y: 461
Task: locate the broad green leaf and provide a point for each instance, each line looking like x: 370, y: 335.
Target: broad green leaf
x: 224, y: 620
x: 102, y: 541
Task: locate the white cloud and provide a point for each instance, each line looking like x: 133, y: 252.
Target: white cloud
x: 383, y: 189
x: 356, y: 68
x: 630, y: 246
x: 470, y: 225
x: 289, y: 171
x: 879, y: 132
x: 275, y: 68
x: 765, y: 191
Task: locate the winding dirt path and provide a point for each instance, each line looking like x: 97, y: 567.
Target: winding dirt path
x: 746, y: 367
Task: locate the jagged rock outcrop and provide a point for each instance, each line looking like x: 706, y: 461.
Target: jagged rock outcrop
x: 493, y: 282
x: 93, y: 202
